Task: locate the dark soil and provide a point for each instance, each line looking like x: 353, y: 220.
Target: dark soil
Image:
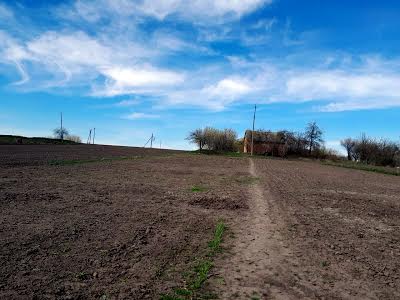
x: 129, y: 229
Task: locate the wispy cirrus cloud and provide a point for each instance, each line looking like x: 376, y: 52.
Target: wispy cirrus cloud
x: 160, y: 9
x: 140, y: 116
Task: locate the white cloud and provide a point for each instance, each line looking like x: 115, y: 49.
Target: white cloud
x: 194, y: 10
x: 127, y: 103
x: 228, y: 88
x: 123, y: 81
x: 329, y: 84
x: 80, y: 59
x: 140, y: 116
x: 346, y: 89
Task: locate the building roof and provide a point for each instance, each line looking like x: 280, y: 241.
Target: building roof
x: 261, y: 136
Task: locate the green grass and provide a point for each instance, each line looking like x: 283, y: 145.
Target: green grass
x: 247, y: 179
x: 221, y: 153
x: 198, y: 189
x: 13, y: 140
x: 200, y: 271
x: 363, y: 167
x: 215, y: 244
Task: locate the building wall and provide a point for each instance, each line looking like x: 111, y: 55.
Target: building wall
x: 273, y: 149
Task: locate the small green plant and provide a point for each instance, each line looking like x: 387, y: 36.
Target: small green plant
x: 198, y: 189
x: 214, y: 245
x: 247, y: 179
x: 255, y: 296
x: 200, y: 272
x: 82, y: 275
x: 324, y: 263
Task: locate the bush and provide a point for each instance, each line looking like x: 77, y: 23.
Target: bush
x: 214, y: 139
x: 371, y: 151
x: 73, y: 138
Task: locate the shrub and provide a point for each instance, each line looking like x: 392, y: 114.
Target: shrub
x: 214, y: 139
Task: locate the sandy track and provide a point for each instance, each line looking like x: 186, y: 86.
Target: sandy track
x: 259, y: 251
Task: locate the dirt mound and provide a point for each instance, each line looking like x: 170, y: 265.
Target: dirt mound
x: 213, y: 201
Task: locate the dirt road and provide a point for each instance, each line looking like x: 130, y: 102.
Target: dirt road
x: 315, y: 232
x: 259, y: 249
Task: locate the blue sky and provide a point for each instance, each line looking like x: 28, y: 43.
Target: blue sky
x: 131, y: 68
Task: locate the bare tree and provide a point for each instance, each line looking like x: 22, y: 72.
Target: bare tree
x: 349, y: 144
x: 60, y: 133
x: 313, y: 135
x: 197, y: 137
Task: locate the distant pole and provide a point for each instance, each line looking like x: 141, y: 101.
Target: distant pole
x: 94, y: 134
x: 89, y: 137
x: 61, y: 132
x: 252, y: 132
x: 151, y: 141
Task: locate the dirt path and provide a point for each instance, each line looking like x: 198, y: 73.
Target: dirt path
x: 256, y: 266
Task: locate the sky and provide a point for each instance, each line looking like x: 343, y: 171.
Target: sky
x: 132, y: 68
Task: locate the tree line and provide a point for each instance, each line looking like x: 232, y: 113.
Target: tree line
x: 380, y: 152
x: 308, y: 143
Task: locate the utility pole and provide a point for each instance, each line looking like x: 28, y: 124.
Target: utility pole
x: 89, y: 137
x: 61, y: 128
x: 151, y: 141
x: 252, y: 132
x: 94, y: 134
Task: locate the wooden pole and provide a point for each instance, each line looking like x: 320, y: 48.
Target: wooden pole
x: 252, y: 132
x: 61, y: 132
x: 94, y: 134
x: 151, y: 141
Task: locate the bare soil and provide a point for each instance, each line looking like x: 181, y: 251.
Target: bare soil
x: 129, y: 229
x: 327, y: 233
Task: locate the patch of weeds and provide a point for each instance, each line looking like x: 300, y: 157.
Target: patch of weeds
x: 182, y: 292
x: 220, y: 153
x: 255, y: 296
x: 215, y: 244
x: 82, y: 276
x: 364, y: 167
x: 247, y: 179
x: 198, y: 189
x: 324, y: 263
x: 200, y: 272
